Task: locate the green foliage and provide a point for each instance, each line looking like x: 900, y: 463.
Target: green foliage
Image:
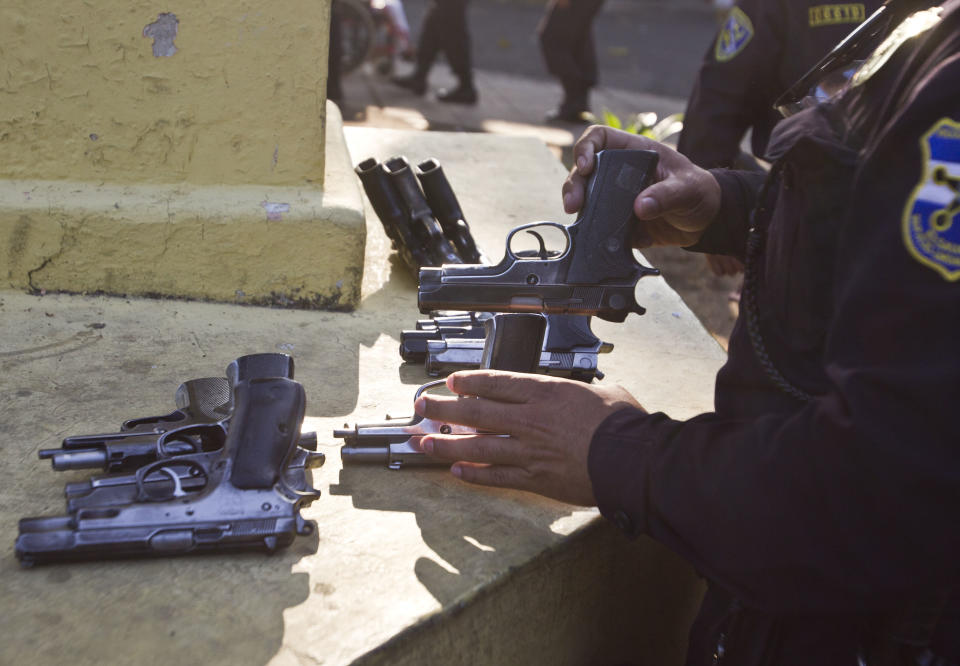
x: 646, y: 124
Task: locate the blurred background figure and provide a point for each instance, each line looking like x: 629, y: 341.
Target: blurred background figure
x: 761, y: 49
x: 444, y: 30
x: 566, y: 41
x: 763, y: 46
x: 369, y: 32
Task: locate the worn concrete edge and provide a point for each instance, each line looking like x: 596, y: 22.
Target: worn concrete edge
x: 487, y: 588
x: 304, y: 246
x: 589, y: 533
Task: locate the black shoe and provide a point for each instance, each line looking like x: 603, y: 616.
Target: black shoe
x: 569, y: 115
x: 460, y: 95
x: 415, y: 84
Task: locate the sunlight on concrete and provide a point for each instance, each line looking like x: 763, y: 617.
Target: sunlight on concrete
x: 411, y: 117
x: 553, y: 136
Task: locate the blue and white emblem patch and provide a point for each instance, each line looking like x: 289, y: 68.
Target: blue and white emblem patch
x: 931, y: 219
x: 734, y: 37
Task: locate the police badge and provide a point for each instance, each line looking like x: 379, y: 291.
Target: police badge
x: 931, y: 219
x: 736, y: 33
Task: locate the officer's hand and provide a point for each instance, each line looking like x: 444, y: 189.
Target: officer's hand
x: 675, y: 210
x: 550, y: 421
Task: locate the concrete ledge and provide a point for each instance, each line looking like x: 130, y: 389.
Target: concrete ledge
x: 293, y: 247
x: 410, y: 567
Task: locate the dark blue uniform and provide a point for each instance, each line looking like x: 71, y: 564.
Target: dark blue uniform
x: 763, y: 47
x: 821, y: 498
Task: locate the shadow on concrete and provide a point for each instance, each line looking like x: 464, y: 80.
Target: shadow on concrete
x: 513, y: 590
x: 188, y: 610
x: 478, y: 534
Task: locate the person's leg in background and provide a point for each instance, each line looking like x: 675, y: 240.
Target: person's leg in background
x: 444, y: 29
x: 428, y: 47
x: 566, y: 42
x: 456, y: 45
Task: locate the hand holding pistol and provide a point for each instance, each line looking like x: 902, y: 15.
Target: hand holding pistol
x: 596, y: 274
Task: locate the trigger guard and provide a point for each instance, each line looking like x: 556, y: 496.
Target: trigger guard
x: 161, y: 466
x: 533, y: 225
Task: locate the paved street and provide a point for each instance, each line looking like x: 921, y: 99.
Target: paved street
x: 649, y: 53
x: 642, y: 46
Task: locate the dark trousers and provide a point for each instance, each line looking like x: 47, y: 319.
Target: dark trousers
x: 566, y: 41
x: 444, y: 30
x: 335, y: 55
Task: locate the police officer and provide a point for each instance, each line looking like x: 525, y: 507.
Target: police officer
x: 762, y: 47
x: 821, y: 497
x: 566, y: 42
x: 444, y: 30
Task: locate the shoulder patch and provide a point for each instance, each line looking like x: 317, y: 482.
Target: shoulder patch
x: 734, y: 36
x: 931, y: 218
x: 836, y: 14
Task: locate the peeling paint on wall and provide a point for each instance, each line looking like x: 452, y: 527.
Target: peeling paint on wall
x: 275, y: 211
x: 163, y: 31
x: 81, y: 99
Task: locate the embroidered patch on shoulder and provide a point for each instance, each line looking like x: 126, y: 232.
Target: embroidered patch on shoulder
x: 734, y: 36
x: 931, y: 219
x: 836, y: 14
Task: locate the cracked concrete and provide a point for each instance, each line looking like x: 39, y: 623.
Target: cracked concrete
x: 405, y: 567
x: 303, y: 249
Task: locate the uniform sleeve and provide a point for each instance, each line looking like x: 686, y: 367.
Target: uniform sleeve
x: 851, y: 502
x: 738, y: 73
x: 727, y: 233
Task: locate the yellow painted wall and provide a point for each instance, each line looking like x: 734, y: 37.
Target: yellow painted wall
x: 240, y: 101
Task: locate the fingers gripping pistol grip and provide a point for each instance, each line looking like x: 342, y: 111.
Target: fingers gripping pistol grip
x: 596, y: 275
x: 601, y: 235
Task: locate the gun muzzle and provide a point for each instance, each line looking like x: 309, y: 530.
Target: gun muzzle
x: 424, y: 225
x: 392, y: 212
x: 443, y: 202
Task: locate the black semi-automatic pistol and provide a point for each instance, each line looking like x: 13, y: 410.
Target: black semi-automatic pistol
x: 198, y: 424
x: 596, y: 274
x: 513, y: 342
x: 246, y: 497
x: 447, y: 343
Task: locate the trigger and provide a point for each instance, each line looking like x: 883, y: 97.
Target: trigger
x: 178, y: 490
x: 542, y: 254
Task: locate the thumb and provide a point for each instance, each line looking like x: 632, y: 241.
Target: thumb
x: 663, y: 197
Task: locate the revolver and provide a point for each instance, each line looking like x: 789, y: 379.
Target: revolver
x: 596, y: 273
x: 246, y: 497
x: 513, y: 342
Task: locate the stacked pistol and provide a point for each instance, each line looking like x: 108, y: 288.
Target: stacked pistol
x: 425, y: 223
x: 225, y: 471
x: 446, y: 343
x: 529, y: 313
x: 419, y: 212
x: 511, y: 342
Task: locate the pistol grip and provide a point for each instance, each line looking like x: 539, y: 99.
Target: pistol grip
x: 268, y: 413
x: 601, y: 236
x: 514, y: 342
